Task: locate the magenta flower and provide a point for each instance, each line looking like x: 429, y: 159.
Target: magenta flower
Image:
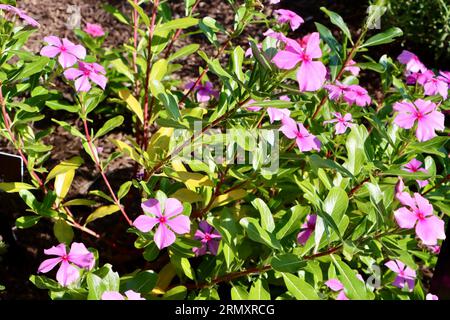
x: 275, y: 35
x: 305, y: 140
x: 405, y: 275
x: 337, y: 286
x: 169, y: 222
x: 277, y: 114
x: 434, y: 249
x: 411, y: 61
x: 69, y: 53
x: 436, y: 86
x: 20, y: 13
x: 94, y: 30
x: 425, y: 113
x: 415, y: 166
x: 288, y: 16
x: 311, y: 74
x: 429, y: 228
x: 335, y: 91
x: 114, y: 295
x: 67, y: 273
x: 342, y: 122
x: 204, y: 91
x: 355, y: 94
x: 307, y: 229
x: 444, y: 76
x: 85, y: 73
x: 209, y: 237
x: 352, y: 68
x: 412, y: 77
x: 431, y: 296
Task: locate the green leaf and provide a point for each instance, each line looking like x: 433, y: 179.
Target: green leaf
x: 32, y: 68
x: 96, y: 287
x: 109, y: 125
x: 238, y: 293
x: 287, y: 263
x: 259, y: 290
x: 63, y: 232
x: 141, y: 13
x: 55, y: 105
x: 42, y: 282
x: 124, y: 189
x: 336, y: 203
x: 27, y: 221
x: 65, y: 166
x: 12, y: 187
x: 354, y: 288
x: 184, y: 52
x: 181, y: 23
x: 132, y: 103
x: 266, y: 216
x: 355, y: 149
x: 159, y: 70
x: 170, y: 102
x: 337, y: 20
x: 291, y: 221
x: 329, y: 39
x: 177, y: 293
x: 258, y: 234
x: 143, y: 282
x: 299, y: 288
x: 382, y: 38
x: 102, y: 212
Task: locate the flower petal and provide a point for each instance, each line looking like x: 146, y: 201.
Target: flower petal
x: 48, y: 264
x: 67, y: 274
x: 180, y: 224
x: 145, y: 223
x: 164, y: 237
x: 172, y: 207
x: 152, y: 206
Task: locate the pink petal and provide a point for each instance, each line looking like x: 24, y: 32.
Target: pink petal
x: 99, y: 79
x: 131, y: 295
x: 423, y: 204
x: 53, y: 41
x: 81, y: 256
x: 48, y: 264
x: 180, y: 224
x: 342, y: 296
x: 172, y: 207
x: 286, y: 59
x: 405, y: 120
x: 66, y: 59
x: 430, y: 229
x: 67, y: 274
x: 50, y: 51
x: 405, y: 218
x: 276, y: 114
x: 72, y: 73
x: 313, y: 46
x: 311, y: 75
x: 393, y: 266
x: 303, y: 236
x: 59, y: 250
x: 289, y: 128
x: 82, y: 84
x: 163, y: 237
x: 112, y: 295
x: 152, y: 206
x: 334, y: 284
x: 145, y: 223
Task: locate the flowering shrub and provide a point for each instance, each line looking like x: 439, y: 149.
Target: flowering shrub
x: 350, y: 204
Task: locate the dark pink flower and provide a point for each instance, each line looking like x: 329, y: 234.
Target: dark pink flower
x: 204, y: 91
x: 169, y: 222
x: 415, y: 166
x: 429, y: 228
x: 305, y: 140
x: 94, y: 30
x: 85, y: 73
x: 425, y: 113
x: 342, y: 122
x: 435, y: 249
x: 20, y: 13
x: 69, y: 53
x: 411, y: 61
x: 307, y: 229
x: 444, y: 76
x: 288, y: 16
x: 209, y: 237
x: 335, y: 91
x: 67, y: 273
x: 405, y: 275
x: 114, y: 295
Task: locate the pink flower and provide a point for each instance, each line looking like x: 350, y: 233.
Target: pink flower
x: 69, y: 53
x: 335, y: 91
x: 305, y: 141
x: 274, y: 1
x: 311, y: 74
x: 431, y: 296
x: 445, y: 76
x: 434, y: 249
x: 94, y: 30
x: 275, y: 35
x: 172, y: 217
x: 114, y: 295
x: 277, y: 114
x: 411, y: 61
x: 429, y: 228
x: 415, y: 166
x: 307, y: 229
x: 434, y: 86
x: 67, y: 273
x: 337, y: 286
x: 412, y: 77
x: 425, y: 113
x: 288, y: 16
x: 209, y: 237
x: 402, y: 196
x: 249, y: 51
x: 250, y: 105
x: 85, y: 72
x: 355, y: 94
x: 342, y: 122
x: 350, y: 67
x: 20, y: 13
x: 204, y: 91
x: 405, y: 275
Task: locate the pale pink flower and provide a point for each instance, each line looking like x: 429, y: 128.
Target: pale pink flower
x: 114, y: 295
x: 307, y: 229
x: 209, y: 238
x: 69, y: 53
x: 85, y: 73
x: 436, y: 86
x: 94, y: 30
x: 275, y: 35
x: 288, y: 16
x: 67, y: 273
x: 342, y: 122
x: 431, y: 296
x: 305, y: 140
x: 337, y: 286
x: 429, y: 228
x: 335, y: 91
x: 311, y: 74
x: 249, y: 51
x: 355, y: 94
x: 352, y: 68
x: 411, y: 61
x: 415, y: 166
x: 444, y: 76
x: 405, y: 275
x: 204, y: 91
x: 402, y: 196
x: 20, y: 13
x: 274, y: 1
x: 251, y: 105
x: 425, y: 113
x: 277, y: 114
x: 169, y: 222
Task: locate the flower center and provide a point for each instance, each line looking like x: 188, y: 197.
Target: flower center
x: 420, y: 215
x: 162, y: 220
x: 306, y: 57
x: 207, y: 237
x: 86, y: 72
x: 419, y: 115
x: 63, y: 49
x: 65, y: 257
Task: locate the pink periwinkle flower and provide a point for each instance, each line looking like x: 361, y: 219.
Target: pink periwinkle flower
x: 342, y: 122
x: 431, y: 296
x: 429, y: 228
x: 402, y: 196
x: 307, y: 229
x: 251, y: 105
x: 288, y: 16
x: 204, y: 91
x: 433, y: 85
x: 274, y: 1
x: 94, y: 30
x: 311, y: 74
x: 335, y: 91
x: 276, y: 35
x: 425, y: 113
x: 305, y: 140
x: 67, y: 273
x: 405, y: 275
x: 209, y: 238
x: 412, y: 77
x: 355, y: 94
x: 415, y: 166
x: 411, y: 61
x: 352, y: 68
x: 277, y: 114
x: 85, y: 73
x: 114, y: 295
x: 169, y: 222
x: 249, y: 51
x: 434, y: 249
x: 20, y: 13
x: 444, y: 76
x: 337, y: 286
x: 69, y: 53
